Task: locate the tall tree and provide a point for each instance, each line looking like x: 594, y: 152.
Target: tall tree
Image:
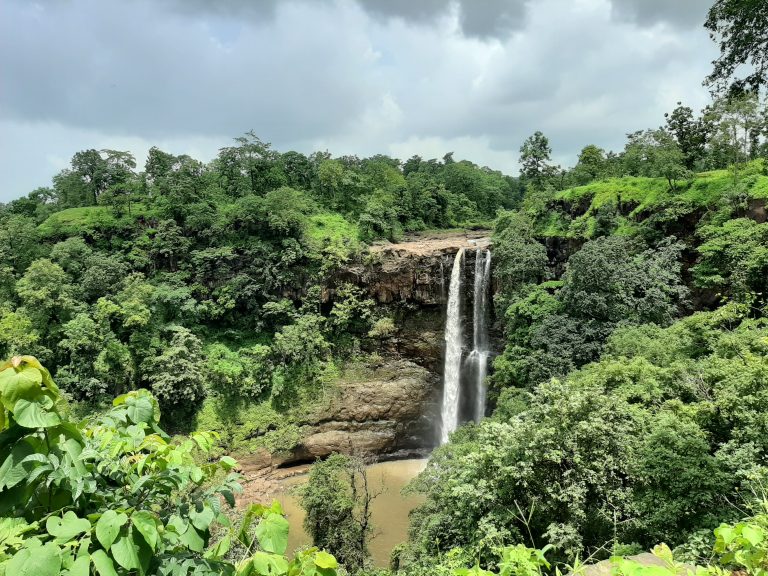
x: 689, y: 132
x: 535, y: 157
x: 741, y: 29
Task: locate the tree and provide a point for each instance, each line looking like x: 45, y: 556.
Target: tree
x: 249, y: 167
x: 19, y: 242
x: 690, y: 134
x: 741, y: 29
x: 175, y: 372
x: 734, y: 260
x: 71, y: 254
x: 611, y: 279
x: 47, y: 293
x: 169, y: 245
x: 655, y: 153
x: 119, y: 197
x: 591, y: 164
x: 534, y: 159
x: 102, y: 276
x: 739, y: 124
x: 520, y: 260
x: 96, y: 171
x: 337, y: 500
x: 158, y: 164
x: 556, y: 473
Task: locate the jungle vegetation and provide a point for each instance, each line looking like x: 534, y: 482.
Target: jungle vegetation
x: 630, y: 397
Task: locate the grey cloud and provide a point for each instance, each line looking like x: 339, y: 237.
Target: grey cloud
x: 353, y: 76
x: 485, y: 19
x: 684, y: 13
x: 127, y: 68
x: 479, y: 19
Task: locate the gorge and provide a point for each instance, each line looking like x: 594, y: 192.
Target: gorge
x: 427, y: 375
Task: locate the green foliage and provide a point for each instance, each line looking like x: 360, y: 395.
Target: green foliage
x: 175, y: 372
x: 650, y: 443
x: 555, y: 327
x: 245, y: 427
x: 91, y: 221
x: 734, y: 259
x: 655, y: 153
x: 337, y: 499
x: 739, y: 29
x: 114, y: 496
x: 245, y: 373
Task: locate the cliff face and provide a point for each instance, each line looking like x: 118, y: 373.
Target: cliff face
x: 391, y: 406
x: 384, y: 409
x: 414, y: 271
x: 396, y: 408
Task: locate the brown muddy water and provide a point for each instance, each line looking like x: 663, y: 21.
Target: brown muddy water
x: 389, y: 511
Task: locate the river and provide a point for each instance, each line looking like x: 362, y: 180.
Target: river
x: 389, y: 510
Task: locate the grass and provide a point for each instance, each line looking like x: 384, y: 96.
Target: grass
x: 89, y: 220
x: 331, y: 228
x: 646, y: 194
x: 636, y: 190
x: 573, y: 212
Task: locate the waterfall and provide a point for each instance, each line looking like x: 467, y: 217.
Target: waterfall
x: 478, y: 358
x: 453, y: 337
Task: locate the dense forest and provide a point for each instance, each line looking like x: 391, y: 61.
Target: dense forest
x: 629, y: 399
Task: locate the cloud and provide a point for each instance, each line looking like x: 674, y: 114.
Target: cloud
x: 683, y: 13
x: 487, y: 19
x: 351, y: 76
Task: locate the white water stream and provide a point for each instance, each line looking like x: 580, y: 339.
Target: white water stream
x: 478, y: 358
x: 452, y: 371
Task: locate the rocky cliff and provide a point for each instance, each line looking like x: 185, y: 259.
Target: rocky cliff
x: 383, y: 407
x: 391, y: 405
x: 413, y: 271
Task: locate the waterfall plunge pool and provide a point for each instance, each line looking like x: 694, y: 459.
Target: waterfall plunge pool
x: 389, y: 511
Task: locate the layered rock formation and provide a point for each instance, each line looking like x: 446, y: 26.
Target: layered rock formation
x: 381, y: 409
x: 413, y: 271
x: 384, y: 409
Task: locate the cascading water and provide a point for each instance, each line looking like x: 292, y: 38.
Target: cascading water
x: 478, y: 358
x: 453, y: 337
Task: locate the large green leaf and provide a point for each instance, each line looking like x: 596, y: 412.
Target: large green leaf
x: 325, y: 560
x: 67, y: 527
x: 146, y: 524
x: 267, y: 564
x: 12, y: 471
x: 753, y: 534
x: 80, y: 567
x: 202, y: 519
x: 272, y: 533
x: 126, y: 552
x: 37, y: 561
x: 108, y: 527
x: 192, y: 540
x: 103, y: 563
x: 34, y: 415
x: 17, y: 384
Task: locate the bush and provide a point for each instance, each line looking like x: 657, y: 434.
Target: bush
x: 114, y: 493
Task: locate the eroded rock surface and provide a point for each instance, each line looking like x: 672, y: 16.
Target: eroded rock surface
x: 415, y: 270
x: 388, y: 409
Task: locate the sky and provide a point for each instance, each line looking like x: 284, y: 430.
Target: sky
x: 397, y: 77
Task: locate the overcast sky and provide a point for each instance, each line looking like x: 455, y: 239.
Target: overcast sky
x: 398, y: 77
